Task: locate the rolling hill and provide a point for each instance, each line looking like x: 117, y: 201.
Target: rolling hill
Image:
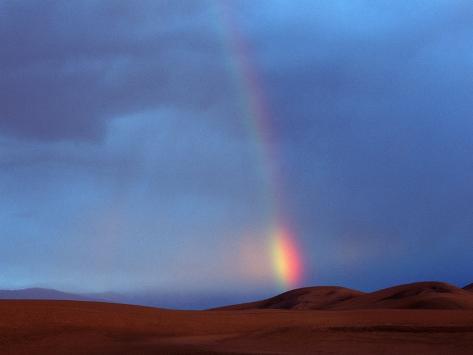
x: 321, y: 297
x: 419, y: 295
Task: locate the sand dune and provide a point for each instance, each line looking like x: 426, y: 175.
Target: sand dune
x: 67, y: 327
x: 321, y: 297
x: 420, y: 295
x: 468, y: 287
x: 418, y: 318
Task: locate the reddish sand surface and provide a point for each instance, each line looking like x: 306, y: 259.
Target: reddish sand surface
x: 71, y: 327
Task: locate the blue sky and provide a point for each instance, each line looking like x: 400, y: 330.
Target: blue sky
x: 126, y: 162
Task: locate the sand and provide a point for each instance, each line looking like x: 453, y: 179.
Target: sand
x: 71, y: 327
x: 418, y: 295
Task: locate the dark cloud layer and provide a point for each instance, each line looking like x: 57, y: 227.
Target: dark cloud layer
x: 67, y: 68
x: 123, y: 141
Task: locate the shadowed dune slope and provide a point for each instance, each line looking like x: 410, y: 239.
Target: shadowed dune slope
x: 321, y: 297
x: 420, y: 295
x: 469, y: 287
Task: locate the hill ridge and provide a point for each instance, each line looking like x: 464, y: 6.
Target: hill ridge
x: 417, y: 295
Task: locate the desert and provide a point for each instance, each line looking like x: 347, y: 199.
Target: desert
x: 236, y: 177
x: 357, y: 327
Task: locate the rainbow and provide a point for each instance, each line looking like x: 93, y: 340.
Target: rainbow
x: 284, y: 251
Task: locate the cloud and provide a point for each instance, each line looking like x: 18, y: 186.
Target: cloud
x: 124, y: 138
x: 68, y: 68
x: 373, y: 111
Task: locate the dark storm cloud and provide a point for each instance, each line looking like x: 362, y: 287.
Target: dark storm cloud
x: 68, y: 67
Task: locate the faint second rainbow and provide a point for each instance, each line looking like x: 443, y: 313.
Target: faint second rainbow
x: 282, y: 244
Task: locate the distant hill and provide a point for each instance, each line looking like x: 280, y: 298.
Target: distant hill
x: 41, y: 294
x: 150, y: 298
x: 419, y: 295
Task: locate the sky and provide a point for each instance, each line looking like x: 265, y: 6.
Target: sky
x: 156, y: 145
